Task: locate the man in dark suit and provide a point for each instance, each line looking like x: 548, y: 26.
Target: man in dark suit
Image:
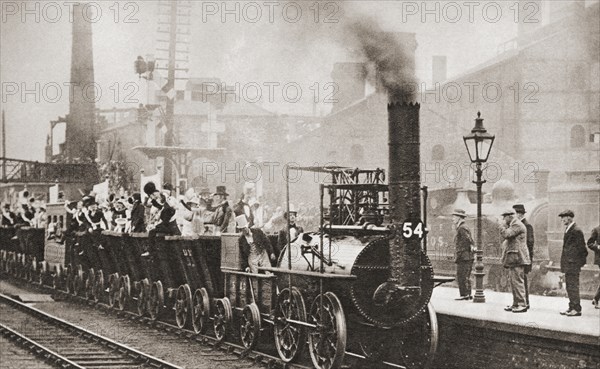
x: 594, y: 244
x: 464, y: 246
x: 520, y: 210
x: 571, y: 261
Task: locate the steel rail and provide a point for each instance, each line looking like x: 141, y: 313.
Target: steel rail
x: 39, y: 349
x: 88, y: 335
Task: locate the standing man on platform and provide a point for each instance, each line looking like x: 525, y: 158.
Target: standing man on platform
x: 515, y: 257
x: 464, y: 254
x: 594, y: 245
x: 520, y: 210
x: 572, y: 259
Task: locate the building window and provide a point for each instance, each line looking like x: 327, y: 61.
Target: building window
x: 577, y: 137
x: 357, y: 152
x: 180, y: 95
x: 437, y: 153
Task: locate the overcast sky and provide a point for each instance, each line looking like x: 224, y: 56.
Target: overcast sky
x: 261, y: 48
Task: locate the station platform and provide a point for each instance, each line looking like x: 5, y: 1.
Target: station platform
x: 483, y: 335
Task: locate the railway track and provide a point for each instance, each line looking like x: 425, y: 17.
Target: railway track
x: 217, y: 351
x: 65, y: 344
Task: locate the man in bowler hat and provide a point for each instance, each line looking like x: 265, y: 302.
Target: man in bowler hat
x: 520, y: 210
x: 572, y: 259
x: 464, y: 246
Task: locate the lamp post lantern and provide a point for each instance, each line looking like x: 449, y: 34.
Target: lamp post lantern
x: 479, y: 144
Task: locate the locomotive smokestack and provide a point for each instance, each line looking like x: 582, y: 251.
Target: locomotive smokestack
x: 405, y: 202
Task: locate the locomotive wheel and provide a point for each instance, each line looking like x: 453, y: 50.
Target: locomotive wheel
x: 157, y: 300
x: 201, y: 310
x: 183, y: 305
x: 289, y: 338
x: 124, y: 292
x: 143, y: 294
x: 113, y: 288
x: 99, y: 286
x: 222, y: 318
x: 418, y: 349
x: 250, y: 326
x: 327, y: 341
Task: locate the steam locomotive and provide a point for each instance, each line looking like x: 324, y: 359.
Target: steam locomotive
x: 357, y: 288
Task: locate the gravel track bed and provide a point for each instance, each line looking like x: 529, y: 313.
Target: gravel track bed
x: 163, y: 345
x: 13, y: 356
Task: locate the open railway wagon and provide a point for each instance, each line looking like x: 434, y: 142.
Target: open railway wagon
x: 319, y: 299
x: 22, y: 251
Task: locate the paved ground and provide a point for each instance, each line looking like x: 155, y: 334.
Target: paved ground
x: 543, y: 314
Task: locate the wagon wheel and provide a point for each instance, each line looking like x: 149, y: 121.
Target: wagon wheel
x: 68, y: 287
x: 43, y: 272
x: 113, y: 288
x: 289, y: 338
x: 99, y: 286
x: 143, y: 294
x: 18, y: 270
x: 57, y: 277
x: 222, y: 318
x: 124, y: 292
x: 250, y: 326
x: 201, y: 310
x: 157, y: 300
x: 419, y: 347
x: 183, y: 305
x: 89, y: 284
x: 327, y: 341
x: 32, y: 270
x: 78, y: 280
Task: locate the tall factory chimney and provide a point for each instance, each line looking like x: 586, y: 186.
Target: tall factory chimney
x: 80, y: 128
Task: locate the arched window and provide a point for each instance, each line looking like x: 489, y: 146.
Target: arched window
x: 577, y: 136
x: 437, y: 153
x: 357, y: 152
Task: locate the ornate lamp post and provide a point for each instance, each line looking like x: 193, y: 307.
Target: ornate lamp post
x: 479, y: 144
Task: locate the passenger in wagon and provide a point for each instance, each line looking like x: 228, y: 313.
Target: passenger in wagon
x: 294, y: 231
x: 8, y: 217
x: 255, y: 249
x: 223, y: 214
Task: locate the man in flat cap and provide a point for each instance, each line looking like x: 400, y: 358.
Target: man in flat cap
x: 515, y: 257
x: 520, y: 210
x: 572, y: 259
x: 464, y: 254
